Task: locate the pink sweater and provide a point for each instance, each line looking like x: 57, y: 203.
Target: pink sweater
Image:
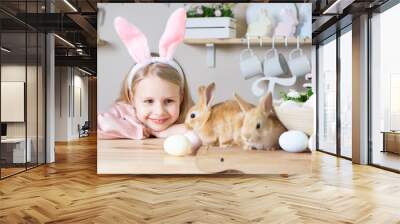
x: 119, y: 122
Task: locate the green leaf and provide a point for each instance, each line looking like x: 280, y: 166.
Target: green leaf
x: 191, y: 14
x: 304, y: 96
x: 227, y: 13
x: 209, y: 11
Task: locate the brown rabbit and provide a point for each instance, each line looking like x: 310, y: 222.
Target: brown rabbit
x: 261, y: 127
x: 217, y: 125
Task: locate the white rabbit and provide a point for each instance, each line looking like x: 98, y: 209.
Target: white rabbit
x: 287, y: 26
x: 304, y: 27
x: 262, y: 27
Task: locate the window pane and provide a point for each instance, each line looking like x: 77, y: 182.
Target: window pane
x: 385, y: 89
x: 346, y: 94
x: 31, y: 97
x: 327, y: 97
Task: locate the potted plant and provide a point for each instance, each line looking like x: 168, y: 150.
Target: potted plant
x: 210, y: 21
x: 296, y: 111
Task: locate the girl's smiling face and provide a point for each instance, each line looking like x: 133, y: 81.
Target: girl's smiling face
x: 157, y: 102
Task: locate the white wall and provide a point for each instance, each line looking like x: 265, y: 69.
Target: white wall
x: 80, y: 83
x: 61, y: 103
x: 69, y: 79
x: 113, y: 60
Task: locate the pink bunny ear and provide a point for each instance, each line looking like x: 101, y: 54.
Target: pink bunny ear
x: 173, y: 34
x: 289, y: 15
x: 135, y: 41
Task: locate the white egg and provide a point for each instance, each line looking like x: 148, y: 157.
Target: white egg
x: 177, y: 145
x: 293, y: 141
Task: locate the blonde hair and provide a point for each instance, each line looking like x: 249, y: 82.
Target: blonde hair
x: 164, y: 72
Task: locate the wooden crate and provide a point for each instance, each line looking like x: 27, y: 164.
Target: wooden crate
x: 210, y: 27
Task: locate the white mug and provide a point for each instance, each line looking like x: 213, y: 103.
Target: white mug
x: 250, y: 66
x: 299, y: 65
x: 274, y: 63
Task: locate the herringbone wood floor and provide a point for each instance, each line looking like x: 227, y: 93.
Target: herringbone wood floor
x: 70, y: 191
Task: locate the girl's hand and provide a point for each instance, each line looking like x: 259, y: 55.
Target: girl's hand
x: 172, y: 130
x: 146, y: 132
x: 177, y: 129
x: 157, y: 134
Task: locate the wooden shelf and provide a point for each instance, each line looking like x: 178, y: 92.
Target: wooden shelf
x: 211, y: 43
x: 233, y: 41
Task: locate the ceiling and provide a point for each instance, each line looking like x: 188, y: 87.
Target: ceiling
x: 77, y: 23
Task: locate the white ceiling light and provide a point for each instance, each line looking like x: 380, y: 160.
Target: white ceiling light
x: 5, y: 50
x: 337, y: 7
x: 70, y: 5
x: 65, y: 41
x: 84, y: 71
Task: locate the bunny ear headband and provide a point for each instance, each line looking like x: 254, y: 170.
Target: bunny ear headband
x: 136, y: 42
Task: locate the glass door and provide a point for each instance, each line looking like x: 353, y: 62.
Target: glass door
x: 13, y: 103
x: 22, y: 76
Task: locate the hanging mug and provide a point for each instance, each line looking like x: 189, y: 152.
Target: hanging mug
x: 274, y: 63
x: 299, y: 65
x: 250, y: 65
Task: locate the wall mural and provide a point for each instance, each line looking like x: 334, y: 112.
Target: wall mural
x: 161, y: 121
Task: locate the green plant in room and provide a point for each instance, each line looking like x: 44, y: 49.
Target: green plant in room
x: 213, y: 10
x: 296, y: 96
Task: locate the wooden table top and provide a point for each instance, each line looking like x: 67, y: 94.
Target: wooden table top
x: 148, y: 157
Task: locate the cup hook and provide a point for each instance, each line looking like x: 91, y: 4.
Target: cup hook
x: 273, y: 42
x: 286, y: 41
x: 298, y: 42
x: 248, y: 41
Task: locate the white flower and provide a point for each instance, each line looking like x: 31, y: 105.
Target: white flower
x: 217, y: 13
x: 188, y: 8
x: 293, y: 94
x: 199, y: 11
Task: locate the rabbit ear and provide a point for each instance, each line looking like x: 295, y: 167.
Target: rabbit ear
x: 265, y: 103
x: 173, y: 34
x: 210, y: 93
x: 202, y: 99
x: 244, y: 105
x: 135, y: 41
x: 205, y: 95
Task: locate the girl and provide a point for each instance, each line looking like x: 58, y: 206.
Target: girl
x: 154, y: 97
